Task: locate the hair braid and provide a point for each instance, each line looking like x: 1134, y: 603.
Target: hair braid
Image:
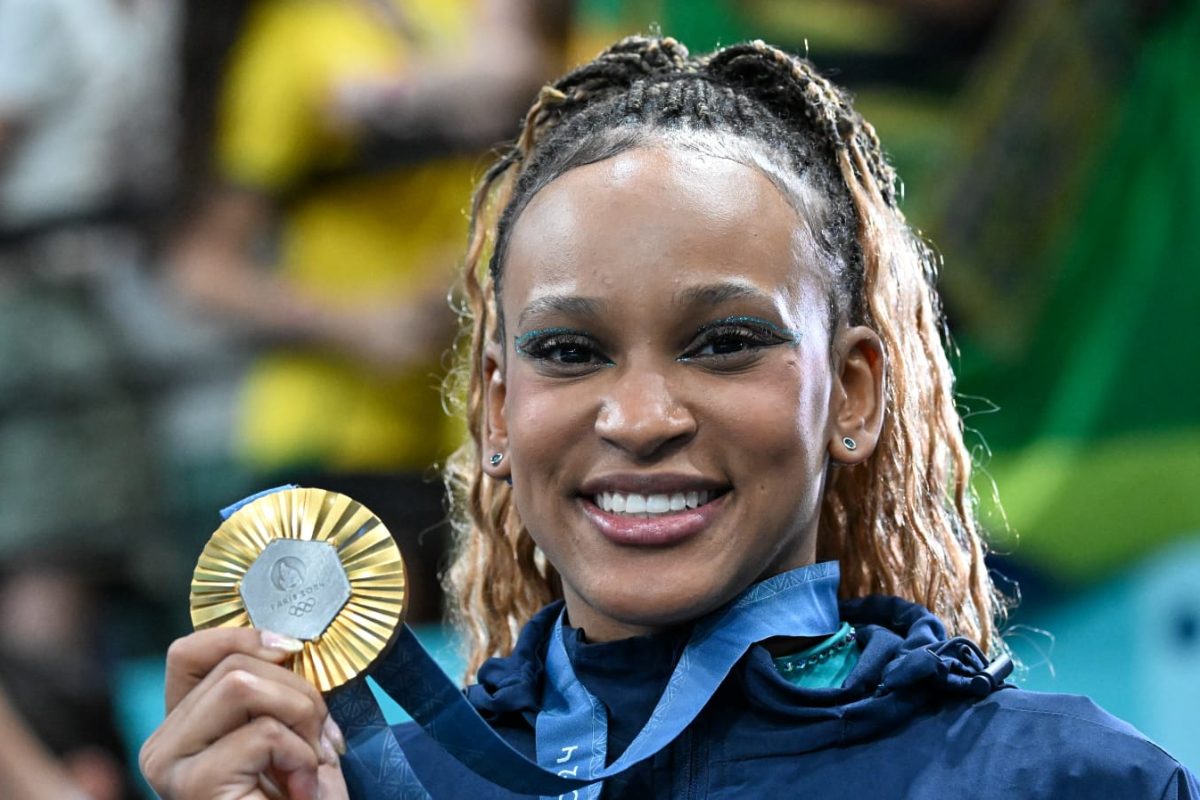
x: 903, y: 521
x: 928, y: 549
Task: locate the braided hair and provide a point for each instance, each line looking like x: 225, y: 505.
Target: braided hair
x: 902, y: 522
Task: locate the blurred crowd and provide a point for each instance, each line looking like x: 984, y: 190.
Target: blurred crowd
x: 229, y: 230
x: 227, y: 235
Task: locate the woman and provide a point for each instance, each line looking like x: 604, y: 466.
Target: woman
x: 706, y: 366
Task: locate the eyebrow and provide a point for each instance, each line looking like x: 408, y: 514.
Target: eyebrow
x: 707, y: 294
x: 716, y: 293
x: 568, y: 304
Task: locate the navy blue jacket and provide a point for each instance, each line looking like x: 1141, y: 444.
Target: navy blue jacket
x: 917, y: 718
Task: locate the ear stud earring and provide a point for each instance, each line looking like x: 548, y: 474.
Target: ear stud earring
x: 847, y: 443
x: 496, y: 459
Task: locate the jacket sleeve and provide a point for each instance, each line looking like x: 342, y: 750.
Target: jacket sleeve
x: 1182, y: 786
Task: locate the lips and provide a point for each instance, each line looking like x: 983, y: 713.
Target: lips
x: 667, y: 517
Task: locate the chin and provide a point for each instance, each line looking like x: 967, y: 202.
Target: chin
x: 656, y: 604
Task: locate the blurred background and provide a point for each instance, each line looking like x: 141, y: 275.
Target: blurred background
x: 228, y: 227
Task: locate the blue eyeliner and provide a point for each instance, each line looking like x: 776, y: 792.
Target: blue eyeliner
x: 518, y: 340
x: 792, y: 337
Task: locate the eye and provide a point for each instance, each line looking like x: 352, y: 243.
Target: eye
x: 561, y: 350
x: 736, y: 338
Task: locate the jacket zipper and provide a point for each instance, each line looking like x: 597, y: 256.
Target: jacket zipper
x: 691, y: 773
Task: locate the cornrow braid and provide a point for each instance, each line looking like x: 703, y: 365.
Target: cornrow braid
x: 900, y: 523
x: 824, y: 104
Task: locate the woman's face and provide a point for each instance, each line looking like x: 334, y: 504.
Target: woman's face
x: 669, y: 395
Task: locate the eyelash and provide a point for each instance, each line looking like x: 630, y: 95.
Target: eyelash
x: 541, y: 346
x: 749, y: 334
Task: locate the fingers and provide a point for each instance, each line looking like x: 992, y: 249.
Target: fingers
x: 239, y: 720
x: 332, y: 783
x: 236, y: 764
x: 241, y: 689
x: 193, y: 657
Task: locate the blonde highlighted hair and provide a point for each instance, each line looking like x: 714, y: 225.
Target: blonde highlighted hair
x: 902, y: 522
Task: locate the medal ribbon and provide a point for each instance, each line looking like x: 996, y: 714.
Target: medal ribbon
x: 571, y: 731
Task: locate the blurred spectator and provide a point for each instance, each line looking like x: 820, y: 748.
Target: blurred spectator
x: 334, y: 228
x: 85, y: 145
x: 28, y: 771
x: 85, y: 113
x: 86, y: 149
x: 71, y: 747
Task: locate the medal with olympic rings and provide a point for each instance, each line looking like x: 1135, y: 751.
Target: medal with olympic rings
x: 312, y: 564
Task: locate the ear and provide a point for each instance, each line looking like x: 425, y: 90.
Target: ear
x: 858, y: 401
x: 495, y: 418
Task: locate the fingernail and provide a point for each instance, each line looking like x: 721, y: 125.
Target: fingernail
x: 334, y: 733
x: 279, y: 641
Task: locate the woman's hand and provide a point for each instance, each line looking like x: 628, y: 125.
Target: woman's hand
x: 240, y: 726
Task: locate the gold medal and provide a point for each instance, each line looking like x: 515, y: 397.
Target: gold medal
x: 311, y: 564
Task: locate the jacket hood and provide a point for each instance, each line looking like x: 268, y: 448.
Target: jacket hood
x: 906, y: 662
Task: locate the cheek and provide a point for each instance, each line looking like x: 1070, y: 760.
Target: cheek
x: 542, y: 420
x: 786, y: 447
x: 782, y: 417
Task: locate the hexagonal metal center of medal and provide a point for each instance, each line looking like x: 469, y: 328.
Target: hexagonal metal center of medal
x: 295, y: 587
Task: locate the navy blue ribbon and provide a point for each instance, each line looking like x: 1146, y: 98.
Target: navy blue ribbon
x: 571, y: 730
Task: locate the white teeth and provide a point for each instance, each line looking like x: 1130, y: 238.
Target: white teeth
x: 645, y: 507
x: 658, y: 504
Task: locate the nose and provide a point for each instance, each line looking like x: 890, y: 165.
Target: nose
x: 642, y: 414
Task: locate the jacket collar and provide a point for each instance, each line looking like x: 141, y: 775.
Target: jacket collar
x: 906, y: 662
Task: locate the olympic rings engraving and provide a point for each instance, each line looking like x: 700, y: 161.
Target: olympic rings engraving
x: 303, y: 607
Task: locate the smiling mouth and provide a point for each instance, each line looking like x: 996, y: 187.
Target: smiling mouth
x: 650, y: 506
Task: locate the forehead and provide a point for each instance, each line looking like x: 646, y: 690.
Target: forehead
x: 657, y: 217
